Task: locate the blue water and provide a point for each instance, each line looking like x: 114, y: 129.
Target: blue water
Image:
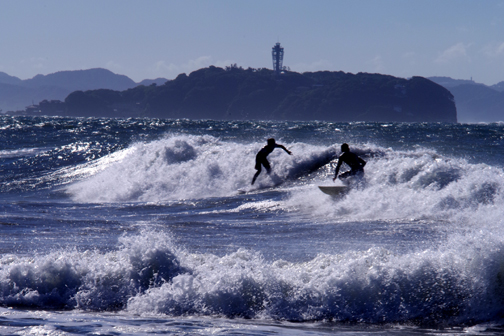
x: 139, y: 226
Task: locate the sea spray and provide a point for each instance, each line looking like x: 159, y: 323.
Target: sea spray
x: 438, y: 286
x: 419, y: 185
x: 458, y: 282
x: 91, y: 279
x: 182, y: 167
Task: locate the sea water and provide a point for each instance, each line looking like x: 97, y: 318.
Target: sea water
x: 149, y: 226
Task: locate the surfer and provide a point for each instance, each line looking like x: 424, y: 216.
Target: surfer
x: 261, y: 157
x: 355, y: 163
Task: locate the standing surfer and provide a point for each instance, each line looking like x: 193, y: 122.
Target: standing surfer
x: 355, y: 163
x: 261, y: 157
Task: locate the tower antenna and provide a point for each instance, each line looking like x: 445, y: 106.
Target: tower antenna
x: 277, y: 54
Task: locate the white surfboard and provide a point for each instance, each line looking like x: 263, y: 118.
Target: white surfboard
x: 334, y: 190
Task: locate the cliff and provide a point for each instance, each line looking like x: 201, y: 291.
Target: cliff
x: 241, y: 94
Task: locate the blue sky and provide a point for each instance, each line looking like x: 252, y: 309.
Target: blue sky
x: 152, y: 38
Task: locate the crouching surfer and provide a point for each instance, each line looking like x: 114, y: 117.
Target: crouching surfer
x: 261, y: 157
x: 355, y: 163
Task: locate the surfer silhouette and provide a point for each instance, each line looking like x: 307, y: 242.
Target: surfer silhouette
x: 261, y: 157
x: 355, y: 163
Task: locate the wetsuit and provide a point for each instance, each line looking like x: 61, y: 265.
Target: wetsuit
x: 261, y: 158
x: 355, y: 163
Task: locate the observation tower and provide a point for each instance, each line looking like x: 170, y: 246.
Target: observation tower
x: 277, y: 53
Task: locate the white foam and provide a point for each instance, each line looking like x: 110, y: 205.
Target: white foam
x: 413, y: 186
x: 373, y: 286
x: 186, y: 166
x: 147, y: 273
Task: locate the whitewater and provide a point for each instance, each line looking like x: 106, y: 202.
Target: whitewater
x: 140, y: 226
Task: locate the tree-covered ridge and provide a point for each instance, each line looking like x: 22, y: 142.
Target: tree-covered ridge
x: 236, y: 93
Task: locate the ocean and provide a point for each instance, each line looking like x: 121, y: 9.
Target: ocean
x: 151, y: 226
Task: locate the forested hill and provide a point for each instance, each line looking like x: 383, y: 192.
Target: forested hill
x: 258, y: 94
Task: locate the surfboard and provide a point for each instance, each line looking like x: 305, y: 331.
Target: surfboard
x: 334, y: 190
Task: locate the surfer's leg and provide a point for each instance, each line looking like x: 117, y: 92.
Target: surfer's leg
x: 267, y: 166
x: 256, y: 174
x: 259, y: 160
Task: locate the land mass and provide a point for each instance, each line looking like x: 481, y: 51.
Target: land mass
x: 475, y: 102
x: 17, y: 94
x: 235, y: 93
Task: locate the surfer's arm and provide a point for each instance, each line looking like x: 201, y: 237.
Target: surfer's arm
x: 285, y: 149
x: 362, y: 162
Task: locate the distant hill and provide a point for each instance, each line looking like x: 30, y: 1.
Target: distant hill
x: 498, y: 87
x: 157, y: 81
x: 475, y: 102
x: 82, y: 80
x: 15, y: 97
x: 448, y: 82
x: 6, y: 79
x: 259, y: 94
x: 17, y: 94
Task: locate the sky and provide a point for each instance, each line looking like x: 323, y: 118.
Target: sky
x: 148, y: 39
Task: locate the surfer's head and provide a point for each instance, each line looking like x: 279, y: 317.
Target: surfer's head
x: 271, y: 142
x: 345, y: 148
